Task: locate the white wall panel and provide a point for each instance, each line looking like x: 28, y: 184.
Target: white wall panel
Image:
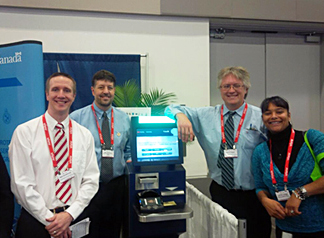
x: 293, y: 72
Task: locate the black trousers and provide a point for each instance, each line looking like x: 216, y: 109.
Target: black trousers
x: 30, y: 227
x: 106, y: 209
x: 244, y: 205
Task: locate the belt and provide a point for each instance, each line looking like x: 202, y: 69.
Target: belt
x: 233, y: 190
x: 240, y: 190
x: 59, y: 209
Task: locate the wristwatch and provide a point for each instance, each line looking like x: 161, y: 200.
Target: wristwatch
x: 302, y: 193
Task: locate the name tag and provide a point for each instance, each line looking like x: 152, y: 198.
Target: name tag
x: 283, y: 195
x: 107, y: 153
x: 230, y: 153
x: 65, y: 175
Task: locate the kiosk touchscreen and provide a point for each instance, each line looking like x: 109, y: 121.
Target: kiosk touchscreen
x: 156, y: 179
x: 155, y: 141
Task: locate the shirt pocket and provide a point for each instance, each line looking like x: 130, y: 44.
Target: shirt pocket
x: 251, y: 139
x: 79, y: 161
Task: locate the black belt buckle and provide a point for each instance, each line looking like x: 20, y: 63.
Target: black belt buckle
x: 59, y: 209
x: 237, y: 190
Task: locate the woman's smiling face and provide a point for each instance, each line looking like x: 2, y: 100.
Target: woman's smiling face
x: 275, y: 118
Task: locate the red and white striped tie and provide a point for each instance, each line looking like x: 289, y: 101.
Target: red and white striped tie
x: 63, y: 190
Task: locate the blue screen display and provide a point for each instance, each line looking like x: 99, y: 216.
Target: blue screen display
x: 157, y: 144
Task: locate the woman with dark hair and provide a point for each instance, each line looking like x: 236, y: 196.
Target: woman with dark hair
x: 288, y: 173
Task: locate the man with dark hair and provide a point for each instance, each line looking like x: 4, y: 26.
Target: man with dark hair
x: 110, y: 128
x: 52, y: 178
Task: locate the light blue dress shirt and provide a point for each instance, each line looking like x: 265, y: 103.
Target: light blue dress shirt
x: 122, y: 153
x: 207, y: 128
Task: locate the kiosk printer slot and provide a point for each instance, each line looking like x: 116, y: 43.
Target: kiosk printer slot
x: 156, y: 180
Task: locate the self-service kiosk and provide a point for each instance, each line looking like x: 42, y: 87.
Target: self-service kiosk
x: 156, y: 202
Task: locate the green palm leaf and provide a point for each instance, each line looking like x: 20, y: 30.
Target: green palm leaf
x: 127, y: 95
x: 157, y: 100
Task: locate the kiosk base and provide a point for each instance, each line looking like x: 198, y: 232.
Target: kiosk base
x: 170, y: 183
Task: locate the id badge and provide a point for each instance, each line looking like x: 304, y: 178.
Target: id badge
x: 65, y: 175
x: 283, y: 195
x: 230, y: 153
x: 105, y: 153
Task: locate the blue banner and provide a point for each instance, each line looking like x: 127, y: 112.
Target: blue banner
x: 83, y: 66
x: 22, y: 90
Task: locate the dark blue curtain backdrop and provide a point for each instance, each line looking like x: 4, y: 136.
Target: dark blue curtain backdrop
x: 83, y: 66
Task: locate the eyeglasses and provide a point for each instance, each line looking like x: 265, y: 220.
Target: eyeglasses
x: 228, y: 86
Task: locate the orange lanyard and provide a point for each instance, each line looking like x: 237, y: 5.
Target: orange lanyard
x: 50, y: 146
x: 239, y: 126
x: 111, y: 126
x: 291, y: 143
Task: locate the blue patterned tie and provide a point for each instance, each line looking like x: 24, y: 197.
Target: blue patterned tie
x: 226, y: 164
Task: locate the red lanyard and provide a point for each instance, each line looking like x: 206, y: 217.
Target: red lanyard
x: 111, y: 126
x: 291, y: 142
x: 50, y: 147
x: 239, y: 126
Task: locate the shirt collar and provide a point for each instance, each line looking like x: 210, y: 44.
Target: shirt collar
x: 239, y: 111
x: 51, y: 122
x: 100, y: 112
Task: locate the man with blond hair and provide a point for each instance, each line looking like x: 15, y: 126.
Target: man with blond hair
x: 228, y: 133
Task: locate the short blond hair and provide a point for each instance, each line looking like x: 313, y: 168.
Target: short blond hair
x: 238, y: 71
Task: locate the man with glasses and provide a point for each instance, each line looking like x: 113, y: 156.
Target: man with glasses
x: 228, y: 147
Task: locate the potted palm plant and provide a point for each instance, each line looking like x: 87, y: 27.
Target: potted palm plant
x: 129, y: 95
